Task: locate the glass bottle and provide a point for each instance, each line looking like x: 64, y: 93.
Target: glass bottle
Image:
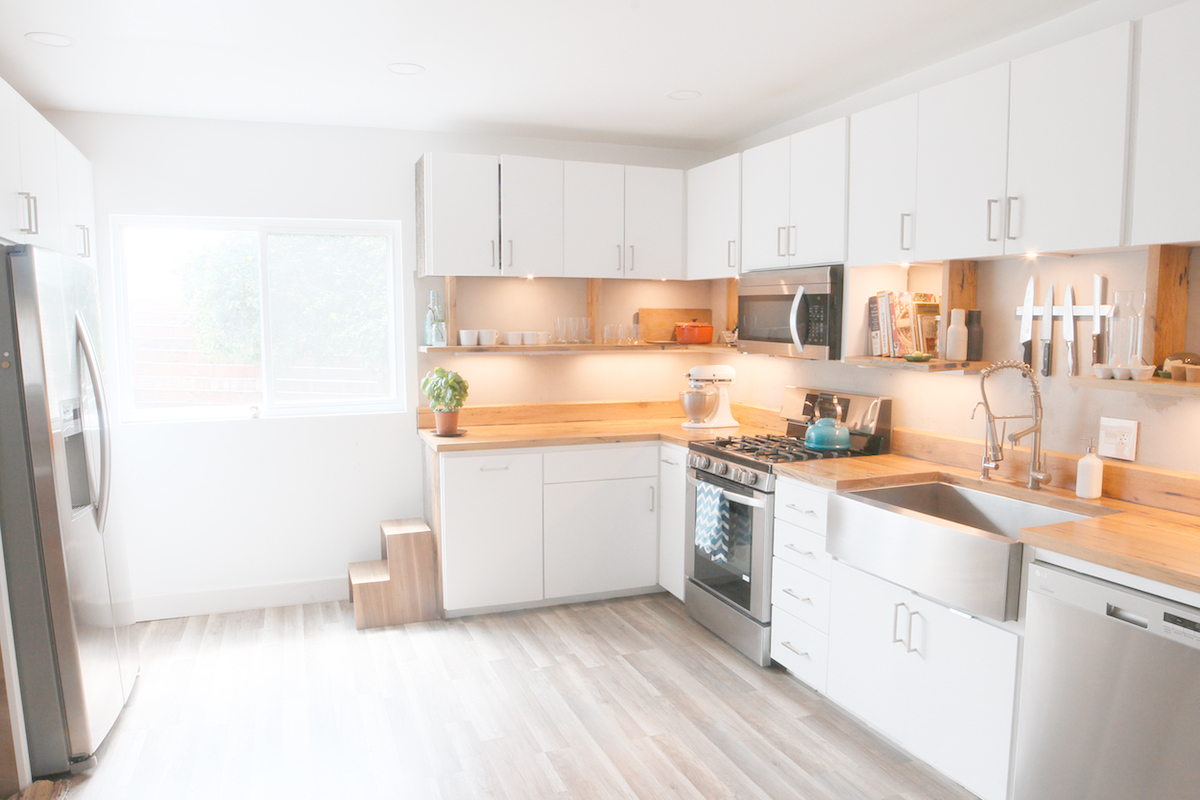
x: 1124, y: 328
x: 435, y: 322
x: 974, y: 334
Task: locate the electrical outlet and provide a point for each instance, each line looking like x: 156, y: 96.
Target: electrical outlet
x: 1118, y: 438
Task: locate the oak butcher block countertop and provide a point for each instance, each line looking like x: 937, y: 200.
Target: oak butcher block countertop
x: 1142, y: 540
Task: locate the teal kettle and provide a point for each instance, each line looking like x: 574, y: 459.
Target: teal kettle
x: 828, y: 433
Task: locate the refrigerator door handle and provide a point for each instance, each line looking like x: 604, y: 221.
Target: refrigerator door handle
x: 93, y: 368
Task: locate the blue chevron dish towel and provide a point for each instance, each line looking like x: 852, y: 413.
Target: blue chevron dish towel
x: 712, y: 522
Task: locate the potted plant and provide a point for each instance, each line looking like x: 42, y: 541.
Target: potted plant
x: 447, y: 391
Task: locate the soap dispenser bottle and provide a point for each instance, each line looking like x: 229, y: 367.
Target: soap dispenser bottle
x: 1089, y: 477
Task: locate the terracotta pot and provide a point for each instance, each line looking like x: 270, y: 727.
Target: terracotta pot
x: 446, y: 422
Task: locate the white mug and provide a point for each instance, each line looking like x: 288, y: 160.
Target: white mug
x: 543, y: 337
x: 512, y: 337
x: 488, y: 338
x: 530, y: 337
x: 468, y: 338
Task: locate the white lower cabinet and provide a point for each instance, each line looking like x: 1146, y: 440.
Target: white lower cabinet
x: 673, y: 542
x: 938, y: 682
x: 601, y: 536
x: 491, y: 529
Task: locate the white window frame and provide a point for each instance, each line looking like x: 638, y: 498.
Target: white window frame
x: 397, y: 402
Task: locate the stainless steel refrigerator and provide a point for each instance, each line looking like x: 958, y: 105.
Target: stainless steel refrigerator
x: 71, y: 618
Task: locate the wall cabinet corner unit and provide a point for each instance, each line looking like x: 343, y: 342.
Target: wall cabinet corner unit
x: 519, y: 527
x: 794, y: 199
x: 714, y: 204
x: 1166, y: 206
x: 622, y: 221
x: 940, y: 683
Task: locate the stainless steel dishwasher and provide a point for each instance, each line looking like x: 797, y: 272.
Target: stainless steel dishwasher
x: 1110, y: 694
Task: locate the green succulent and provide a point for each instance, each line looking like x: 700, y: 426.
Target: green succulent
x: 447, y: 391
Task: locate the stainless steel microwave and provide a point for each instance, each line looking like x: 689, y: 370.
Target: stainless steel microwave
x: 794, y: 312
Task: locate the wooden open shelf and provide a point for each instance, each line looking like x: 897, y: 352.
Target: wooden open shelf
x: 1151, y: 386
x: 934, y: 365
x: 543, y: 349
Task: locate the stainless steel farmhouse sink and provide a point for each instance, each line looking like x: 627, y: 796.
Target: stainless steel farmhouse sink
x: 949, y: 542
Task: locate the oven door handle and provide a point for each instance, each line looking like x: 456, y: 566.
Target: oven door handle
x: 734, y: 497
x: 793, y: 318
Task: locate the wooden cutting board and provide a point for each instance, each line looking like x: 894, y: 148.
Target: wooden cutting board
x: 658, y: 324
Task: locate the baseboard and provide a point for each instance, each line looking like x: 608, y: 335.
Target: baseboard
x: 553, y: 601
x: 242, y: 599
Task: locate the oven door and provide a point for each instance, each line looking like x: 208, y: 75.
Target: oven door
x: 744, y: 580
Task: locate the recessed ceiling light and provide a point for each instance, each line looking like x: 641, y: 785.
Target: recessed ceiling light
x: 50, y: 39
x: 683, y: 94
x: 405, y: 68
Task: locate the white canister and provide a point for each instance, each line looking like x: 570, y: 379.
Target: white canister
x: 956, y: 335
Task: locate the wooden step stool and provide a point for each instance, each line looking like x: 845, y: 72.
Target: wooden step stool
x: 402, y: 587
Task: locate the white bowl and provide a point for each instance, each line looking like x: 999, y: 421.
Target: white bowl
x: 1103, y: 370
x: 1122, y: 373
x: 512, y: 337
x: 1142, y: 373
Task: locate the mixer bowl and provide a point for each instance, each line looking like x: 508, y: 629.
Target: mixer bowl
x: 699, y: 405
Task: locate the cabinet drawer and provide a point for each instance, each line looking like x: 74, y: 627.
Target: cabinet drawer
x: 801, y: 594
x: 802, y: 505
x: 800, y: 647
x: 601, y: 464
x: 803, y: 548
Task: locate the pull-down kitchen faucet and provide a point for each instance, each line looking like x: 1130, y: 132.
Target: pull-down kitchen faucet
x: 993, y: 448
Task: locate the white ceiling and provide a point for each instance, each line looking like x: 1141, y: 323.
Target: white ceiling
x: 578, y: 69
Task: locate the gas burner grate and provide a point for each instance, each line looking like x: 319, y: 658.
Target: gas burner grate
x: 775, y: 448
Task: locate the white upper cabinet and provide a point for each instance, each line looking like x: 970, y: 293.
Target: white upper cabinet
x: 1166, y: 205
x: 531, y: 216
x: 766, y: 196
x: 458, y: 220
x: 12, y: 204
x: 653, y: 223
x: 714, y: 218
x: 77, y: 217
x: 39, y: 179
x: 883, y: 183
x: 962, y: 149
x: 622, y: 221
x: 817, y: 232
x: 593, y: 220
x: 794, y: 200
x: 1068, y: 120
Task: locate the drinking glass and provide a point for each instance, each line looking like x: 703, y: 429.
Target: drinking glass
x: 612, y: 333
x: 573, y: 330
x: 585, y: 330
x: 625, y: 334
x: 560, y: 331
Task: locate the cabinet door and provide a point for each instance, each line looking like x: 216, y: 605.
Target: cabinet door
x: 883, y: 183
x: 714, y: 219
x: 962, y: 149
x: 1068, y: 118
x: 600, y: 536
x: 654, y: 230
x: 75, y: 208
x: 1166, y: 206
x: 12, y: 205
x: 491, y: 530
x: 593, y: 220
x: 531, y: 216
x: 85, y: 207
x: 672, y: 531
x: 461, y: 214
x: 766, y: 194
x: 817, y: 224
x: 39, y: 176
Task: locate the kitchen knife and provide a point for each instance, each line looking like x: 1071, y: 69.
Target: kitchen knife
x: 1027, y: 323
x: 1047, y: 330
x: 1097, y: 301
x: 1069, y: 328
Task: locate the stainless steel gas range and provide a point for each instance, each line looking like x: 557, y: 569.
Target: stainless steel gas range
x: 731, y: 510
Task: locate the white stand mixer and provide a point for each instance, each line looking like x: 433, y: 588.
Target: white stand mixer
x: 698, y: 403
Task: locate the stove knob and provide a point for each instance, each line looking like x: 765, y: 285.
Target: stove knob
x: 739, y: 475
x: 703, y: 462
x: 751, y: 478
x: 693, y: 459
x: 720, y: 468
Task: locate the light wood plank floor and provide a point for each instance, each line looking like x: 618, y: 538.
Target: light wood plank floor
x: 616, y: 699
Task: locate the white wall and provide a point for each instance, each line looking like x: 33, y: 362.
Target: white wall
x: 231, y: 515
